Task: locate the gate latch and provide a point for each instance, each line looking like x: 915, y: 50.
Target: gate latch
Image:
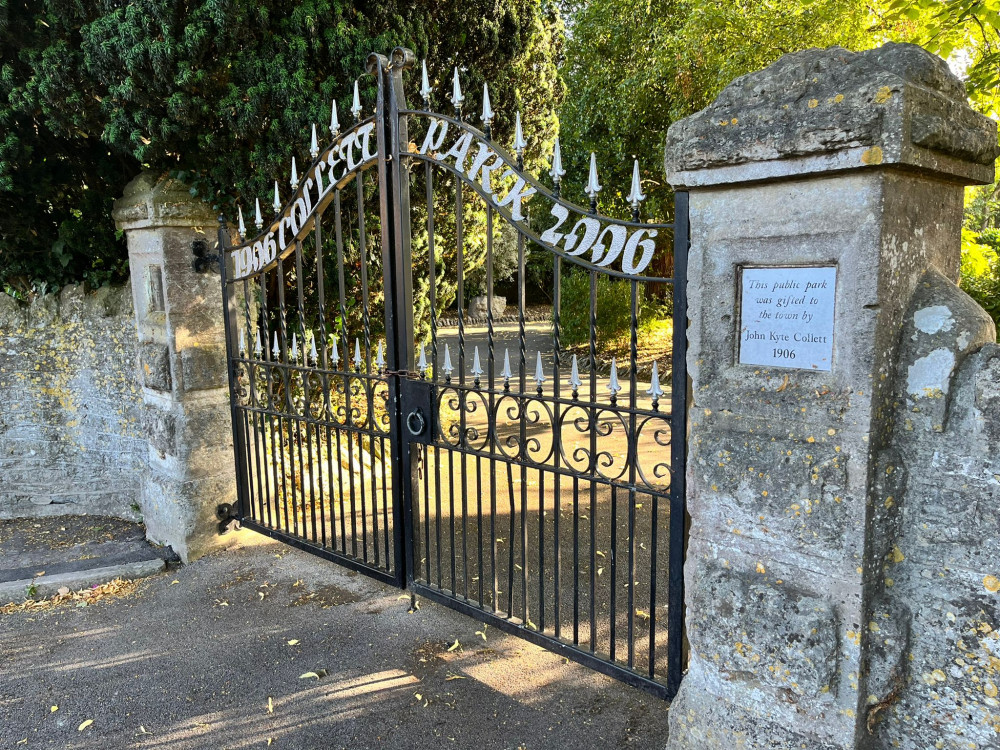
x: 417, y: 400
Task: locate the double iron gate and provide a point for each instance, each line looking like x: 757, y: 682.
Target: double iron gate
x: 524, y: 468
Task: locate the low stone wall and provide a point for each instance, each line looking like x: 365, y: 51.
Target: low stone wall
x: 70, y: 432
x: 935, y: 635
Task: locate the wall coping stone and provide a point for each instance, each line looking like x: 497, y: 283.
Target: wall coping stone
x: 827, y: 110
x: 157, y: 200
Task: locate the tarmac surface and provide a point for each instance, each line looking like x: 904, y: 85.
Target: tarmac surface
x: 266, y: 646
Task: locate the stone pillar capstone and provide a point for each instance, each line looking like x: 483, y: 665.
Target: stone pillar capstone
x: 850, y: 166
x: 182, y: 364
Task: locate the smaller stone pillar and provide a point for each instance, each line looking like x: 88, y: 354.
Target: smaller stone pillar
x: 182, y: 364
x: 835, y: 168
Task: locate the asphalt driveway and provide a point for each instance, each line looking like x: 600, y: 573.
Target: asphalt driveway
x: 265, y: 646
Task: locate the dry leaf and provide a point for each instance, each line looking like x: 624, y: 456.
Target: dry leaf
x: 402, y: 596
x: 270, y: 740
x: 293, y: 642
x: 449, y: 678
x: 173, y: 582
x: 418, y: 696
x: 261, y: 594
x: 642, y: 614
x: 317, y: 674
x: 143, y: 730
x: 39, y: 573
x: 455, y: 645
x: 53, y: 709
x: 62, y: 590
x: 783, y: 386
x: 84, y: 725
x: 270, y: 705
x: 483, y: 631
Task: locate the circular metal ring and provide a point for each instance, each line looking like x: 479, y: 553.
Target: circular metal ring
x: 416, y: 423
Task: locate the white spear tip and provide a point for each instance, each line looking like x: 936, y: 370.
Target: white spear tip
x: 487, y: 109
x: 519, y: 143
x: 593, y: 186
x: 425, y: 85
x: 636, y: 195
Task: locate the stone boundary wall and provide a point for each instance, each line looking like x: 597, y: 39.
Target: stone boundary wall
x: 70, y: 425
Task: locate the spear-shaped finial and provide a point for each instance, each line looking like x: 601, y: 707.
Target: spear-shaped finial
x: 277, y: 198
x: 422, y: 362
x: 241, y: 226
x: 256, y: 344
x: 636, y: 195
x: 425, y: 85
x: 334, y: 352
x: 477, y: 368
x: 654, y: 387
x: 334, y: 122
x: 448, y: 369
x: 519, y: 143
x: 613, y: 385
x: 379, y: 359
x: 356, y: 109
x: 506, y: 368
x: 275, y: 350
x: 557, y: 170
x: 593, y: 186
x: 357, y: 353
x: 487, y: 109
x: 456, y: 91
x: 243, y: 343
x: 574, y: 376
x: 295, y: 176
x: 295, y: 347
x: 314, y: 146
x: 539, y: 372
x: 258, y: 219
x: 312, y: 349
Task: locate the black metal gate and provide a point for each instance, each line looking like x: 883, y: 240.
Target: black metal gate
x: 525, y: 468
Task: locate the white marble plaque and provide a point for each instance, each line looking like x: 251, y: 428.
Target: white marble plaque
x: 786, y: 317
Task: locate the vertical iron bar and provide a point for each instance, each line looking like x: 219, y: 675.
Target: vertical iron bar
x: 678, y: 448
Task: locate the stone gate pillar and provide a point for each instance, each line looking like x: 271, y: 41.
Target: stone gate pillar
x: 821, y: 190
x: 182, y: 364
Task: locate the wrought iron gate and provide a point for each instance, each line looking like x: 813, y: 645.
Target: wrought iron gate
x: 526, y: 470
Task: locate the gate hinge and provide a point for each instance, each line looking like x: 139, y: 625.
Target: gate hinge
x: 202, y: 260
x: 228, y: 520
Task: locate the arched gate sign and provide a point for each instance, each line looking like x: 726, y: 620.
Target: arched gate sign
x: 526, y: 469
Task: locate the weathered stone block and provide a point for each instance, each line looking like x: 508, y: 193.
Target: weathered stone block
x: 154, y: 362
x: 764, y: 633
x: 203, y: 367
x: 479, y: 306
x: 829, y: 109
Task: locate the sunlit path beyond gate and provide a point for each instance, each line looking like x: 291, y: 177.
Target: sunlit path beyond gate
x: 489, y: 465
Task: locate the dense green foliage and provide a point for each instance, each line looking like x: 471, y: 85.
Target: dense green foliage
x: 614, y: 308
x: 633, y: 68
x: 965, y: 30
x: 221, y: 92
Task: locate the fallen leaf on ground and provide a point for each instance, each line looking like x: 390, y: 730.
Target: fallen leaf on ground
x: 317, y: 674
x: 451, y: 677
x: 173, y: 582
x: 143, y: 730
x: 62, y: 590
x: 293, y: 642
x: 455, y: 645
x: 418, y: 696
x: 40, y: 573
x: 84, y: 725
x: 482, y: 632
x: 53, y: 709
x: 270, y: 705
